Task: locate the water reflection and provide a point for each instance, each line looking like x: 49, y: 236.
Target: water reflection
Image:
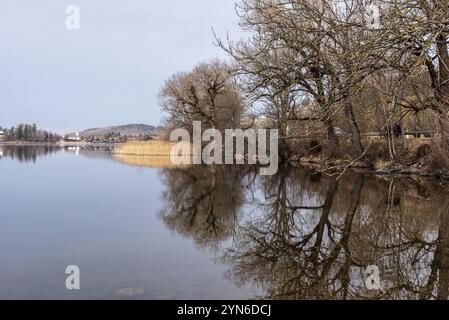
x: 202, y: 202
x: 31, y: 153
x: 298, y: 235
x: 99, y: 152
x: 301, y: 235
x: 24, y: 153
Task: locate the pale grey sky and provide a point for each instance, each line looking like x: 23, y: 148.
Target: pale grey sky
x: 110, y: 71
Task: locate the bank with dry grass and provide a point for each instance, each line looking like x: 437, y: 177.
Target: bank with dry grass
x: 149, y: 148
x: 151, y: 154
x: 412, y: 157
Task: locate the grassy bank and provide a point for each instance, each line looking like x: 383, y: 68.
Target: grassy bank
x: 151, y: 154
x: 412, y: 157
x: 150, y: 148
x: 158, y: 162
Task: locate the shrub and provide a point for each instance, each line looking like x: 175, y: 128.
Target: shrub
x: 423, y: 151
x: 439, y: 159
x: 375, y: 151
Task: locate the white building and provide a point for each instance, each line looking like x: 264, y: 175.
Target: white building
x: 76, y: 137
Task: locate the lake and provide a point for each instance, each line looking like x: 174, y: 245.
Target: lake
x: 140, y: 229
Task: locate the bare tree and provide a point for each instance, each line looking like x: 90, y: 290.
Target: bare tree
x: 208, y: 94
x: 313, y: 50
x: 416, y: 34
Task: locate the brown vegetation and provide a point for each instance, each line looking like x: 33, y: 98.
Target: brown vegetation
x: 158, y: 162
x: 150, y: 148
x: 334, y: 86
x: 151, y: 154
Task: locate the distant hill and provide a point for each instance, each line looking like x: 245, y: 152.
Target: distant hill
x: 130, y: 130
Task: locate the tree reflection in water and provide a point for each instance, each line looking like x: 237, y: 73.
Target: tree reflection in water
x: 202, y: 202
x: 26, y: 153
x: 298, y: 235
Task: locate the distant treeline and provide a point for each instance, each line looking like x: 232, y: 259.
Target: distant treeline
x: 29, y: 133
x: 116, y: 138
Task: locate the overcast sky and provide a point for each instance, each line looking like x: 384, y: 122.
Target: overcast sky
x: 110, y: 71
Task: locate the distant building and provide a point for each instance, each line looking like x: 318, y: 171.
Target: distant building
x: 74, y: 138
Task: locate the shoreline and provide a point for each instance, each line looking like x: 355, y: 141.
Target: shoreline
x: 58, y: 144
x: 160, y: 149
x: 390, y: 170
x: 157, y: 149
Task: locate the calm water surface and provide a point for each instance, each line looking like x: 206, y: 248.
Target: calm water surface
x: 154, y: 232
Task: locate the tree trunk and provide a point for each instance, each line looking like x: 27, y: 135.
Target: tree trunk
x: 334, y: 143
x: 356, y: 140
x: 443, y: 61
x: 442, y: 91
x: 444, y: 126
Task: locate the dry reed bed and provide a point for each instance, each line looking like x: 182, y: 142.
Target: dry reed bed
x: 151, y: 154
x: 150, y: 148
